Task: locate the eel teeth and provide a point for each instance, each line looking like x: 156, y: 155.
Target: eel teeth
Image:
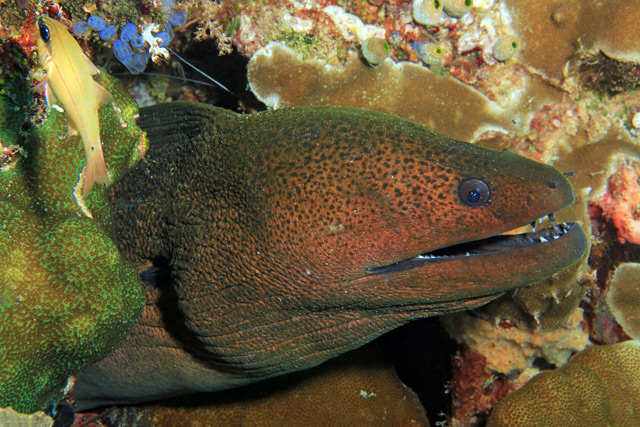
x: 501, y: 242
x: 493, y: 244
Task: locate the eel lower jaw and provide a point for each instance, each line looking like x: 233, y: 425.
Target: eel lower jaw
x: 489, y: 246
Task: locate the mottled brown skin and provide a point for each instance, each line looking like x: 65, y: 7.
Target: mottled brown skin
x: 267, y: 227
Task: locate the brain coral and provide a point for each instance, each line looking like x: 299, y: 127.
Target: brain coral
x: 67, y: 297
x: 598, y: 387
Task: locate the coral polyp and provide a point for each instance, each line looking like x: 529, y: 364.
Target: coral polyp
x: 429, y: 53
x: 428, y: 12
x: 457, y: 8
x: 505, y: 47
x: 375, y: 50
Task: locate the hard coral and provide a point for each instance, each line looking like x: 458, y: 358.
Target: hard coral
x: 619, y: 35
x: 553, y: 31
x: 281, y: 78
x: 67, y: 296
x: 623, y: 297
x: 511, y: 350
x: 598, y: 387
x: 498, y: 356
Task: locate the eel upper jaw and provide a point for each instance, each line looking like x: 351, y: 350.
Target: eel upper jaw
x: 501, y: 244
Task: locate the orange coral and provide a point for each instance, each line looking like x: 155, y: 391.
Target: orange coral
x: 621, y: 200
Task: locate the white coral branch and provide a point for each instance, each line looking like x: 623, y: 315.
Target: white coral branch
x: 157, y: 53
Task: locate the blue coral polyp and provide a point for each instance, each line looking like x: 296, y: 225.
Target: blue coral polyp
x: 128, y: 32
x: 108, y: 33
x: 122, y: 51
x: 96, y: 23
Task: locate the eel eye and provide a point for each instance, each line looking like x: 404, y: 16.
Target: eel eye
x: 474, y: 192
x: 45, y: 34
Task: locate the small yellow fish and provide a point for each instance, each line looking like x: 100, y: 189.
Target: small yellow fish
x: 70, y: 84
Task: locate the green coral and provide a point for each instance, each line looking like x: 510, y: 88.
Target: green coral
x: 67, y: 297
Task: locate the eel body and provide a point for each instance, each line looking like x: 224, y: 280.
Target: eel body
x: 282, y: 239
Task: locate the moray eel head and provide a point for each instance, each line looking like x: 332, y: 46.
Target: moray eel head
x: 289, y: 237
x: 393, y: 217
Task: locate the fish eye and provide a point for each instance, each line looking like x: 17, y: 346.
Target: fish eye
x: 45, y: 34
x: 474, y: 192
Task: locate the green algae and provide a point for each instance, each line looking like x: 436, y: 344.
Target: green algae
x: 68, y: 297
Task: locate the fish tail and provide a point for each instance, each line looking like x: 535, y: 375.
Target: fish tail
x: 96, y: 171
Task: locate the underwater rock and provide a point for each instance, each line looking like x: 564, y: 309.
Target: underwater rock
x: 598, y: 387
x: 285, y: 238
x: 547, y: 305
x: 623, y: 298
x: 67, y: 297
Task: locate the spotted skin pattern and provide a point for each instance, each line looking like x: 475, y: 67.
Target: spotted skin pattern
x: 267, y: 233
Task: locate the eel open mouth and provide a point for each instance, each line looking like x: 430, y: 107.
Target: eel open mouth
x: 502, y: 243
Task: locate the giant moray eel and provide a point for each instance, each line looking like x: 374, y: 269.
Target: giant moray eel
x: 282, y: 239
